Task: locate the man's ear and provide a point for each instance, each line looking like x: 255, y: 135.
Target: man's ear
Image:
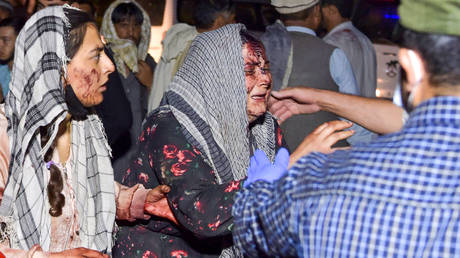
x: 413, y: 64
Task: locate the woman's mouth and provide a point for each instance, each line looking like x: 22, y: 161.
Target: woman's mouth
x: 259, y: 97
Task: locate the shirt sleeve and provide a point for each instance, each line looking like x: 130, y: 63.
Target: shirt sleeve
x: 262, y: 215
x: 342, y: 73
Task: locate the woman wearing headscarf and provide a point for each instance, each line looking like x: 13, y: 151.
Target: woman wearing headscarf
x: 199, y: 142
x: 126, y: 29
x: 61, y: 194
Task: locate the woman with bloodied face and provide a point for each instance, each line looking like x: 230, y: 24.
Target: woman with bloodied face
x: 199, y: 142
x: 61, y: 196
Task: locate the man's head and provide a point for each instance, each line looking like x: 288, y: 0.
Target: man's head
x: 85, y: 5
x: 335, y: 12
x: 213, y: 14
x: 430, y: 49
x: 6, y: 9
x: 306, y: 13
x: 9, y: 30
x: 127, y: 19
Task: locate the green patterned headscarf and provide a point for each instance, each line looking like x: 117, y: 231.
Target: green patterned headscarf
x: 126, y: 51
x: 431, y: 16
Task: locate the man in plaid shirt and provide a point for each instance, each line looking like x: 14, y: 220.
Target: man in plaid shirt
x: 397, y: 196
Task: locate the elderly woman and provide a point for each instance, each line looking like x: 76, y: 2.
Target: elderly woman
x: 199, y: 142
x: 61, y: 194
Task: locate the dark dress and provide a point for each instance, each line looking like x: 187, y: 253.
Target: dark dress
x: 200, y: 205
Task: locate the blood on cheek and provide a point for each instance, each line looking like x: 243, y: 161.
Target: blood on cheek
x: 85, y: 80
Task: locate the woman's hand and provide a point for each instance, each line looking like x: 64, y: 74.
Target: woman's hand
x: 156, y: 203
x: 322, y: 139
x: 78, y: 253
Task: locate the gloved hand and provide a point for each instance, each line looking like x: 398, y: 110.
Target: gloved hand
x: 260, y: 167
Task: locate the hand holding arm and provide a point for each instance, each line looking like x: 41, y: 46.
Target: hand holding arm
x: 156, y: 203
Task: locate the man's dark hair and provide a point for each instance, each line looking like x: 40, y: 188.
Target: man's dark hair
x: 345, y: 7
x: 16, y: 22
x: 126, y: 11
x: 300, y: 15
x: 88, y: 2
x: 440, y: 54
x: 6, y: 6
x: 207, y: 11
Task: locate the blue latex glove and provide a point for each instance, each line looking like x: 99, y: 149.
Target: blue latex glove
x: 260, y: 167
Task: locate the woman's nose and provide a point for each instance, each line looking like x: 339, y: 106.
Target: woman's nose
x: 107, y: 64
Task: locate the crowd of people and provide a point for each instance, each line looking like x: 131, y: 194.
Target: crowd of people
x: 235, y: 144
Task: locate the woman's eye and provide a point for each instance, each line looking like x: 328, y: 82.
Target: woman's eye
x: 97, y: 57
x: 249, y: 72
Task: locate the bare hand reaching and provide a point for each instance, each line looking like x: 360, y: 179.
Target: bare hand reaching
x: 156, y: 203
x: 322, y: 139
x: 292, y: 101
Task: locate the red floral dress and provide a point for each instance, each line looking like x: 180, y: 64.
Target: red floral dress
x: 201, y: 206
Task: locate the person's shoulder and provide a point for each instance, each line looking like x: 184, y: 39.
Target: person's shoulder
x: 150, y: 61
x: 161, y: 117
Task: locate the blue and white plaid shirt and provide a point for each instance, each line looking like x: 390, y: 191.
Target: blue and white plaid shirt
x: 398, y: 196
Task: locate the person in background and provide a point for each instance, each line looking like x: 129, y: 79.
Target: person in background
x: 86, y: 6
x: 9, y: 30
x: 60, y: 194
x: 299, y: 57
x: 126, y: 29
x: 6, y: 9
x: 208, y: 15
x: 357, y: 47
x: 395, y: 196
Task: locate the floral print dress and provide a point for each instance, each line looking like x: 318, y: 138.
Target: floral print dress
x: 201, y: 205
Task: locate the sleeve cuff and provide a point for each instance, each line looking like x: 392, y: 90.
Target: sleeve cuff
x: 138, y: 202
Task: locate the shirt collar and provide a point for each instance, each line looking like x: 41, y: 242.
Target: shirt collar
x: 301, y: 30
x: 443, y: 110
x: 341, y: 26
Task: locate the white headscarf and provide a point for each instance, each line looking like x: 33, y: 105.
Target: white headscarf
x: 125, y: 50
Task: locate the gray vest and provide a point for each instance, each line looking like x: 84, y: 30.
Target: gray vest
x: 310, y: 67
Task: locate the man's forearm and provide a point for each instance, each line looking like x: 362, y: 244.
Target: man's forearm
x: 378, y: 115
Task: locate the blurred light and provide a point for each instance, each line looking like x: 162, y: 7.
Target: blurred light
x: 378, y: 93
x: 392, y: 16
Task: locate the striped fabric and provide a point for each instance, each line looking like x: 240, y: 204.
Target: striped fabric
x: 36, y: 99
x: 396, y: 197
